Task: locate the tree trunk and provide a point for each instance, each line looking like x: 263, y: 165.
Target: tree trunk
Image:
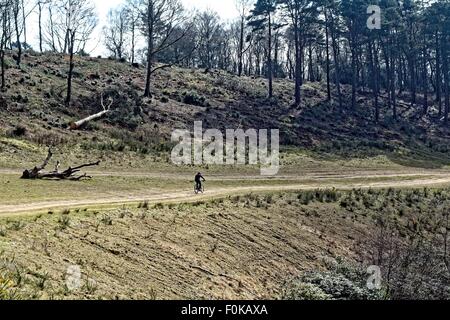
x: 392, y: 83
x: 40, y: 26
x: 52, y: 30
x: 446, y: 77
x: 241, y: 46
x: 374, y: 80
x: 3, y: 42
x: 298, y: 62
x: 71, y: 67
x: 377, y: 83
x: 354, y: 84
x: 133, y: 39
x: 425, y: 81
x: 269, y: 59
x: 79, y: 124
x: 24, y: 22
x: 2, y: 58
x: 438, y: 75
x: 310, y: 64
x: 387, y: 61
x: 275, y: 60
x: 150, y: 49
x: 16, y: 25
x: 412, y: 75
x: 336, y: 63
x: 327, y: 44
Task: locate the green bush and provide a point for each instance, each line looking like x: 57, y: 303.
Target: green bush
x: 304, y: 291
x: 341, y: 282
x: 193, y: 98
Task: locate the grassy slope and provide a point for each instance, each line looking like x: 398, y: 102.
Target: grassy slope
x: 317, y: 132
x: 211, y: 250
x: 215, y: 249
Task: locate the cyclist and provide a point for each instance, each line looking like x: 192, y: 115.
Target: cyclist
x: 198, y: 181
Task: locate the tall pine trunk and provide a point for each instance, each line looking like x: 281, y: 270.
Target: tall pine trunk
x: 337, y: 70
x: 438, y: 75
x: 353, y: 77
x: 374, y: 80
x: 392, y: 81
x: 425, y: 81
x: 446, y: 77
x: 298, y: 63
x: 269, y: 59
x: 327, y: 45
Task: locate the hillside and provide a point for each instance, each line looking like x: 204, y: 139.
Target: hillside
x: 350, y: 193
x: 228, y: 248
x: 33, y: 115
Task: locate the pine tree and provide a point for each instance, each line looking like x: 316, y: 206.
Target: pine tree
x: 262, y: 18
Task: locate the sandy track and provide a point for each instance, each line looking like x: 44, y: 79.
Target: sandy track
x: 414, y: 180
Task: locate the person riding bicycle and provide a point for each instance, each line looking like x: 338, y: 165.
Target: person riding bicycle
x: 198, y: 181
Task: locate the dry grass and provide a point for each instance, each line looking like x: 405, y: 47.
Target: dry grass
x: 231, y: 248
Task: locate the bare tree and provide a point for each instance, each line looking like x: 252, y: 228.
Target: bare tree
x: 49, y: 36
x: 41, y: 5
x: 243, y: 7
x: 70, y: 16
x: 160, y: 20
x: 132, y: 21
x: 72, y: 24
x: 5, y: 12
x: 116, y: 32
x: 16, y: 8
x: 24, y: 21
x: 208, y: 26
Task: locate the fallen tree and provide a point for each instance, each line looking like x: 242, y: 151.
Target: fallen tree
x: 69, y: 174
x: 106, y: 109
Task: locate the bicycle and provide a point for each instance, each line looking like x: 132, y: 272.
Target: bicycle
x: 197, y: 190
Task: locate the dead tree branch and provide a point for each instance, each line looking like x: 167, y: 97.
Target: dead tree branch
x: 106, y: 109
x: 69, y: 174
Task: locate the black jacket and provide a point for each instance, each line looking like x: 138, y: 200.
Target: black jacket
x: 199, y: 178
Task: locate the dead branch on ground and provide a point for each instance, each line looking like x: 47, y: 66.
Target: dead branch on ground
x: 68, y: 174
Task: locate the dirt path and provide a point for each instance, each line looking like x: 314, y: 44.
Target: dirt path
x: 302, y: 173
x: 414, y: 180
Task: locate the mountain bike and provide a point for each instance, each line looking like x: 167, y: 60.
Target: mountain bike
x: 197, y: 191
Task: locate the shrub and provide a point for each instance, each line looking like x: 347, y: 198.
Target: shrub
x: 106, y: 220
x: 341, y: 282
x: 193, y: 98
x: 64, y: 221
x: 144, y: 205
x: 18, y: 131
x: 269, y: 198
x: 304, y: 291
